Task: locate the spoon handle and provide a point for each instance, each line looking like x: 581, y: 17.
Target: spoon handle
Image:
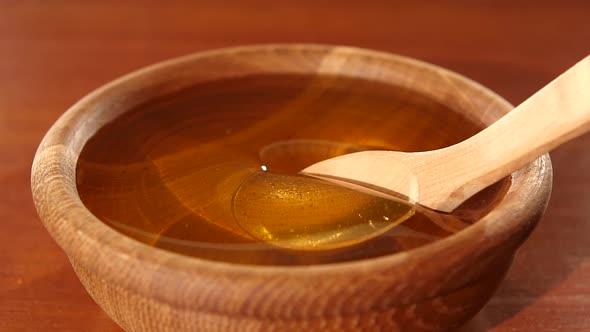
x: 555, y: 114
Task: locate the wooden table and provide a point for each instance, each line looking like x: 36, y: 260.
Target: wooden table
x: 52, y: 53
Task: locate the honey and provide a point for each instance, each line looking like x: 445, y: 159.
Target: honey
x: 211, y: 171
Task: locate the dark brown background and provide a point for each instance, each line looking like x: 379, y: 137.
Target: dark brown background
x: 54, y: 52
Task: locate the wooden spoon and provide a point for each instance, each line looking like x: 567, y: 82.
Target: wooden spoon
x: 443, y: 179
x: 440, y: 179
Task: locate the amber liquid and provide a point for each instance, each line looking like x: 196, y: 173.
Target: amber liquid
x: 212, y: 172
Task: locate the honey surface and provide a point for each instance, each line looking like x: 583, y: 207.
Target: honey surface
x: 212, y: 172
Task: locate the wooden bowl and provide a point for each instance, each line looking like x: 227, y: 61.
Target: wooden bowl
x: 435, y: 287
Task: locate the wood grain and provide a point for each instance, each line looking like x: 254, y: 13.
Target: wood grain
x: 54, y: 53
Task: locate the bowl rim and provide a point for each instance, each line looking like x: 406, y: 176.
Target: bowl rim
x: 62, y: 211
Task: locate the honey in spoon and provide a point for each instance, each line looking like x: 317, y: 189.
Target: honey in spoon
x: 304, y: 213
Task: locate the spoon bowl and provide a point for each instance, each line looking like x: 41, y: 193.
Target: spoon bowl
x: 293, y: 222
